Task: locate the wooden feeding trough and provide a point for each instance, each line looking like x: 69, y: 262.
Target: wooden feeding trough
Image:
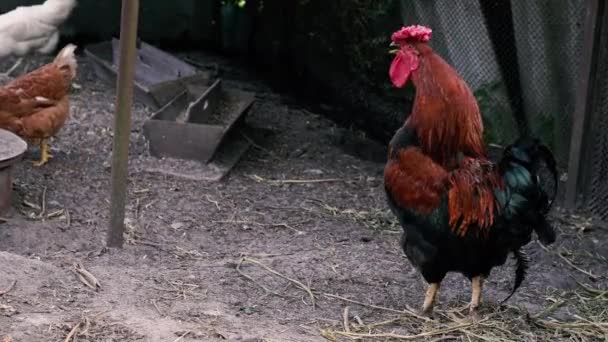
x: 201, y: 124
x: 12, y: 149
x: 159, y: 76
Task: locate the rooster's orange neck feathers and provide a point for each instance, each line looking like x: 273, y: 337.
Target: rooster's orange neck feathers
x: 445, y: 113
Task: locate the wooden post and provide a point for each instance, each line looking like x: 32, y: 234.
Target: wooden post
x: 584, y: 91
x: 122, y: 120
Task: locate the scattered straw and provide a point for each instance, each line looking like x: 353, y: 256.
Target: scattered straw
x: 288, y: 225
x: 294, y: 281
x: 160, y: 313
x: 182, y: 336
x: 571, y: 264
x: 587, y: 308
x: 561, y: 255
x: 261, y: 148
x: 72, y: 333
x: 212, y: 201
x: 408, y: 311
x: 345, y: 319
x: 82, y: 327
x: 458, y: 327
x: 380, y: 219
x: 294, y: 181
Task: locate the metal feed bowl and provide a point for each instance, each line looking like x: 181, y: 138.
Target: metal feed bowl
x: 12, y: 149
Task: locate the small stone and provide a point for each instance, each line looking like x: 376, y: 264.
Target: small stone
x: 314, y: 172
x: 177, y: 225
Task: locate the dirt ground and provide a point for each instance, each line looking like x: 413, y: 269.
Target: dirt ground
x: 257, y: 256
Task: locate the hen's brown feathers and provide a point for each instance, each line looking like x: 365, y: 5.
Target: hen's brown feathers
x: 15, y: 103
x: 48, y: 81
x: 47, y: 122
x: 36, y: 104
x: 51, y: 81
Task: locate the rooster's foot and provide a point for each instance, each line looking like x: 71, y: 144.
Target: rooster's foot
x: 474, y: 314
x: 427, y: 312
x: 429, y: 300
x: 476, y: 287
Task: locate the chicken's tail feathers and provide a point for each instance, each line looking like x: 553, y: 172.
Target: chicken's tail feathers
x: 521, y: 260
x: 548, y: 164
x: 66, y: 59
x: 537, y: 158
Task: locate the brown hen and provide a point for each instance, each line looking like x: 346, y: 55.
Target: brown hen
x: 36, y: 105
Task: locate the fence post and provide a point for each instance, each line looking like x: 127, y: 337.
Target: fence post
x: 122, y: 120
x: 584, y: 90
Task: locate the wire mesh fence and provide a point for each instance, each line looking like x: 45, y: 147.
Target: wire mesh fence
x: 520, y: 57
x: 594, y: 162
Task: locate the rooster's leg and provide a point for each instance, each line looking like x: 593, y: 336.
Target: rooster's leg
x: 476, y: 285
x: 429, y: 298
x: 44, y: 153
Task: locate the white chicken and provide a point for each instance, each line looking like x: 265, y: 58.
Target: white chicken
x: 34, y: 28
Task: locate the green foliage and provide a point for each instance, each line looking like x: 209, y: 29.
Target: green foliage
x: 367, y: 27
x: 356, y: 32
x: 499, y: 122
x: 499, y: 125
x: 543, y: 127
x: 238, y: 3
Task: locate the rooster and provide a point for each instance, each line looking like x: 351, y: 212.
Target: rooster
x: 459, y: 211
x: 32, y: 29
x: 36, y: 105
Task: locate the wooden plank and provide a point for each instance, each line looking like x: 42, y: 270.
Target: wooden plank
x: 584, y: 96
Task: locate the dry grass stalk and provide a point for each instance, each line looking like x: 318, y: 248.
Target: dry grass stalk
x: 407, y: 311
x: 182, y: 336
x: 8, y: 289
x: 294, y: 281
x: 295, y: 181
x: 561, y: 255
x: 345, y: 319
x: 86, y: 277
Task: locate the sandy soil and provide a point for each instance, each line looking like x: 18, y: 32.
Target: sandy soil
x: 178, y: 277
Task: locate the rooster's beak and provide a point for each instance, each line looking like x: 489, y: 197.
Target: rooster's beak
x: 394, y: 45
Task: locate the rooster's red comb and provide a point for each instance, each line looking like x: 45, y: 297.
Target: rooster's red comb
x: 413, y: 32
